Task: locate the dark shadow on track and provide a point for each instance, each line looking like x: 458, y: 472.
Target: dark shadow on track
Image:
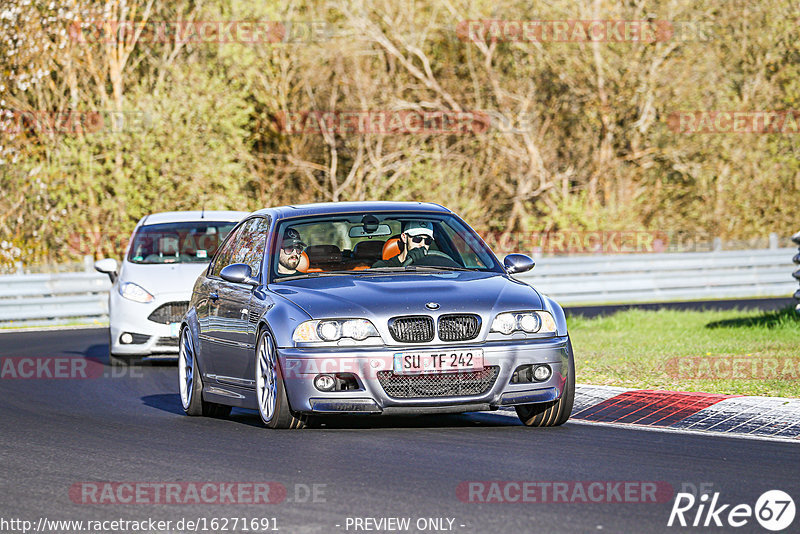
x: 167, y: 402
x: 417, y: 421
x: 766, y: 304
x: 93, y: 352
x: 765, y: 320
x: 171, y: 403
x: 99, y: 353
x: 366, y: 422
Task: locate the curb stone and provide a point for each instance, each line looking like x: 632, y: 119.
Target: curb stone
x: 776, y: 417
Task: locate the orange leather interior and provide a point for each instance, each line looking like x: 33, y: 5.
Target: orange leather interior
x: 391, y: 248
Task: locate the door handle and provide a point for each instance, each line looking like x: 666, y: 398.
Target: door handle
x: 213, y: 296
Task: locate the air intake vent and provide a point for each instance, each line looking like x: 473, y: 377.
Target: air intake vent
x: 167, y: 342
x: 459, y: 327
x: 412, y: 329
x: 171, y: 312
x: 457, y: 384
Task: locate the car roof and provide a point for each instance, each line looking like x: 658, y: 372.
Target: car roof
x: 331, y: 208
x: 201, y: 215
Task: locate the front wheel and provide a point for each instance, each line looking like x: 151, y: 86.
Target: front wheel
x: 553, y: 413
x: 273, y: 405
x: 191, y: 383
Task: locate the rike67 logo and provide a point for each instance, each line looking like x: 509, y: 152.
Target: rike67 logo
x: 774, y: 510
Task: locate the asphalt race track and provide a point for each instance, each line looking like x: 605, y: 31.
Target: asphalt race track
x: 58, y: 434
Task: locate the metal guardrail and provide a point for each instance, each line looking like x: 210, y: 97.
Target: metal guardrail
x: 662, y: 277
x: 592, y: 279
x: 796, y: 274
x: 53, y: 298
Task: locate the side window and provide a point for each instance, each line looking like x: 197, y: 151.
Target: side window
x: 250, y: 244
x: 223, y: 257
x: 466, y: 247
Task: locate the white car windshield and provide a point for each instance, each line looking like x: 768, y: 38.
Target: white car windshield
x: 181, y: 242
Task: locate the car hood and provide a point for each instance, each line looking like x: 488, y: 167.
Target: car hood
x: 163, y: 278
x: 380, y: 296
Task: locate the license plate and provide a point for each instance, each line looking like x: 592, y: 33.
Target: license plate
x: 174, y: 329
x: 438, y: 362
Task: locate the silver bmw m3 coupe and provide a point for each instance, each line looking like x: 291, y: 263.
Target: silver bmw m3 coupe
x: 370, y: 308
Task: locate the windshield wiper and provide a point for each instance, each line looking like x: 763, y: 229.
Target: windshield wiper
x: 315, y: 274
x: 376, y: 270
x: 442, y: 268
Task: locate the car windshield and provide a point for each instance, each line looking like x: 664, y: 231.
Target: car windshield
x: 180, y: 242
x: 376, y: 243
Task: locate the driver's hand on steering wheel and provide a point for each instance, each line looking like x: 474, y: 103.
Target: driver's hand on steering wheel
x: 415, y: 254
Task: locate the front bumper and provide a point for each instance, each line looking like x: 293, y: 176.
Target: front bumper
x: 149, y: 337
x: 301, y: 365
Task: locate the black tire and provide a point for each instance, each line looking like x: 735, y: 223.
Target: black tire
x: 192, y: 396
x: 273, y: 404
x: 555, y: 413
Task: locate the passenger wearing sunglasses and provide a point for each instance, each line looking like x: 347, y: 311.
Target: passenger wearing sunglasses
x: 415, y: 241
x: 291, y: 249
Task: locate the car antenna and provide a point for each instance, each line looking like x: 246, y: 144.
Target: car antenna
x: 203, y: 213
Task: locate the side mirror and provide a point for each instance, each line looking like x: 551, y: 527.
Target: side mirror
x: 108, y: 266
x: 238, y: 273
x: 518, y: 263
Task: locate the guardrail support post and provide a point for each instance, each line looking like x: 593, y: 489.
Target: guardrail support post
x: 796, y: 274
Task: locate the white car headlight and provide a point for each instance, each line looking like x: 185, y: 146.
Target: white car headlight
x: 531, y: 322
x: 333, y: 330
x: 135, y: 292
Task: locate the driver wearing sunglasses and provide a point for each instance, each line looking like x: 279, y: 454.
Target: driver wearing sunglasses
x: 291, y: 249
x: 415, y: 242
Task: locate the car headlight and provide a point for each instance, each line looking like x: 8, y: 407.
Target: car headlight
x: 530, y: 322
x: 135, y: 292
x: 334, y: 330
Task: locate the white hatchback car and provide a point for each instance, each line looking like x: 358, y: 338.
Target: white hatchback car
x: 152, y: 286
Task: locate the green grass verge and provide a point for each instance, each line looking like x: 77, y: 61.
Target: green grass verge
x: 44, y: 326
x: 732, y: 352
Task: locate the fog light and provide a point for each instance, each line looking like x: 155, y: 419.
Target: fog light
x: 324, y: 382
x: 126, y: 338
x: 542, y: 373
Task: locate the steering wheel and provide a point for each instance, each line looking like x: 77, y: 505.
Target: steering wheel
x: 440, y: 259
